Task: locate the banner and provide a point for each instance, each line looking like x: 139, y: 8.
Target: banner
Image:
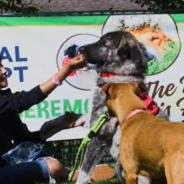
x: 33, y: 49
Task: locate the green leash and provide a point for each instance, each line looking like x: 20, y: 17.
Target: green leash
x: 80, y: 154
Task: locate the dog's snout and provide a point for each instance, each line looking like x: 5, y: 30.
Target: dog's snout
x: 148, y: 54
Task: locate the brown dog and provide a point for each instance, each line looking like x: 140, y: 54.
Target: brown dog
x: 150, y: 146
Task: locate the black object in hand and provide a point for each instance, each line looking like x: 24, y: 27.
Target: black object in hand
x: 71, y: 51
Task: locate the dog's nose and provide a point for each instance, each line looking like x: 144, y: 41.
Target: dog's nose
x: 150, y: 57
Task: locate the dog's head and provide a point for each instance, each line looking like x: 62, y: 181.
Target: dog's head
x: 116, y: 50
x: 123, y: 98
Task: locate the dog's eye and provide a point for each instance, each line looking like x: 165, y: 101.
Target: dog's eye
x: 104, y: 43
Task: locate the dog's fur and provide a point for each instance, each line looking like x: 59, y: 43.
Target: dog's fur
x: 150, y: 146
x: 116, y: 52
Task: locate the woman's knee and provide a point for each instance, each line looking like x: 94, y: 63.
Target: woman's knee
x: 57, y: 171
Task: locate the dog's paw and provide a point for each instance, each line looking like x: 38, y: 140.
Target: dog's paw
x: 143, y: 180
x: 83, y: 178
x: 120, y: 173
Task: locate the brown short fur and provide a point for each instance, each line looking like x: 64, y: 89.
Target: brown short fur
x: 149, y: 146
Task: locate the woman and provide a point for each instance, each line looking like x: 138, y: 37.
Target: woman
x: 13, y: 132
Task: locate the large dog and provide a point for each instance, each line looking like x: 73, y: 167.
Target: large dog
x: 119, y: 57
x: 149, y: 145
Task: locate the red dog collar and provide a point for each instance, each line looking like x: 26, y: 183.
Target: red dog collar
x: 114, y: 74
x: 149, y: 104
x: 109, y: 75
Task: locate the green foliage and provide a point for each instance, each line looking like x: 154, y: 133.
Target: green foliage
x: 18, y: 6
x: 161, y: 4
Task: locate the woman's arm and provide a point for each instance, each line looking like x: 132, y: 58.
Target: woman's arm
x: 21, y: 101
x: 21, y: 132
x: 63, y: 122
x: 49, y: 86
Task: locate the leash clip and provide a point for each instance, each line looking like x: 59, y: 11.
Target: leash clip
x: 107, y: 115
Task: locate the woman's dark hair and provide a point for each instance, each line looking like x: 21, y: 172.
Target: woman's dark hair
x: 1, y: 57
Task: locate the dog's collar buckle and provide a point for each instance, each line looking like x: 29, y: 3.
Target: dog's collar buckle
x: 149, y: 104
x: 108, y: 115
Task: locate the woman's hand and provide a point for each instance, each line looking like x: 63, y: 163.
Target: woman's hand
x: 76, y: 62
x: 69, y: 120
x: 63, y: 122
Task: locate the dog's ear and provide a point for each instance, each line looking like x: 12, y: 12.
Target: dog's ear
x: 139, y: 88
x: 106, y: 87
x: 143, y: 87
